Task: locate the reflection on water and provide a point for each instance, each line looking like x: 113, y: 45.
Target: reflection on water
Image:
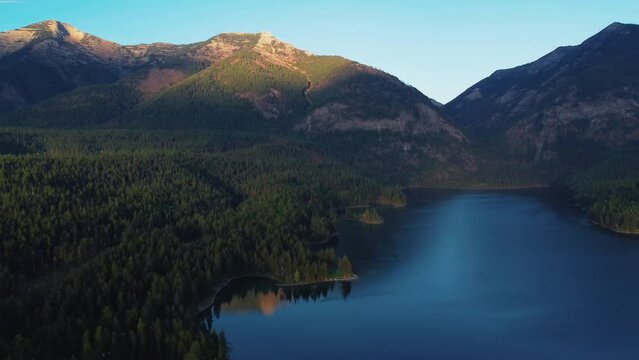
x: 266, y: 302
x: 258, y: 295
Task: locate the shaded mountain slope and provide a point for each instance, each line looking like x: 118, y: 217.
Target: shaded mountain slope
x: 570, y: 103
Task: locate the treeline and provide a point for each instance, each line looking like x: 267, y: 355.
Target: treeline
x: 106, y: 252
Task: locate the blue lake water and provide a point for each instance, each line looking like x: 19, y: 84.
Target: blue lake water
x: 455, y: 275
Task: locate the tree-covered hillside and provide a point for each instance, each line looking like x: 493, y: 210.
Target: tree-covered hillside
x: 110, y: 239
x: 609, y: 189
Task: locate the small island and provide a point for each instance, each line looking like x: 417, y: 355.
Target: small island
x: 371, y: 217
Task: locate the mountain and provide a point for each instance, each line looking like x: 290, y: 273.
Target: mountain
x: 45, y: 59
x: 212, y: 83
x: 49, y: 58
x: 572, y: 103
x: 272, y: 82
x: 232, y: 81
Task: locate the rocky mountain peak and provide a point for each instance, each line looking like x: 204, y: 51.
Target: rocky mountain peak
x: 617, y: 26
x: 56, y: 29
x: 14, y: 40
x: 278, y: 51
x: 265, y: 43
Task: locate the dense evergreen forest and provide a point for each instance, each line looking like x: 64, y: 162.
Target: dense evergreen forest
x: 609, y: 189
x: 109, y: 238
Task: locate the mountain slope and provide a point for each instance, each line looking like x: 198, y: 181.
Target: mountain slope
x: 232, y: 81
x: 569, y: 103
x: 45, y: 59
x: 247, y: 86
x: 272, y: 83
x: 358, y: 114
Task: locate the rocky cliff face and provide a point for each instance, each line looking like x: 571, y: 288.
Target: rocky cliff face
x: 575, y: 97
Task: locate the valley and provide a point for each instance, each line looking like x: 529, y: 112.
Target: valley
x: 135, y: 180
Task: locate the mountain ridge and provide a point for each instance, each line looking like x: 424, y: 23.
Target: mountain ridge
x: 574, y: 99
x: 164, y: 60
x: 231, y: 81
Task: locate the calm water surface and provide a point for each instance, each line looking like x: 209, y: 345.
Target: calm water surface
x: 455, y: 275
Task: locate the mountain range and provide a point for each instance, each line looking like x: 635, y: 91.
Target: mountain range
x: 256, y: 77
x: 569, y: 105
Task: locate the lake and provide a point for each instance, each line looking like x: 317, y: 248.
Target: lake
x: 454, y: 275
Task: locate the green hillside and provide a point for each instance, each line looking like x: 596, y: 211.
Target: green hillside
x: 128, y: 231
x: 227, y: 95
x: 88, y: 106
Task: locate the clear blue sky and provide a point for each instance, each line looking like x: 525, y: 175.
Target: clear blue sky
x: 440, y: 47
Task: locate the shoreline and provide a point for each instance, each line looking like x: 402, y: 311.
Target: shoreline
x: 356, y: 219
x: 301, y: 283
x: 373, y: 205
x: 601, y: 226
x: 325, y: 241
x: 612, y: 229
x: 478, y: 187
x: 365, y: 222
